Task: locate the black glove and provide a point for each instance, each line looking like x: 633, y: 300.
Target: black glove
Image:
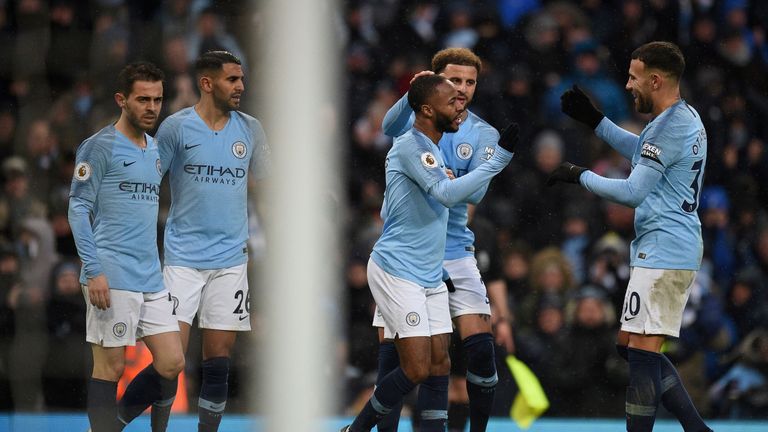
x: 577, y: 105
x: 509, y: 137
x: 449, y: 284
x: 566, y: 172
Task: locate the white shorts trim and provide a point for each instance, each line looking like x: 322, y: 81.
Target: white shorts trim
x: 471, y: 296
x: 131, y: 316
x: 220, y: 298
x: 655, y: 300
x: 408, y: 309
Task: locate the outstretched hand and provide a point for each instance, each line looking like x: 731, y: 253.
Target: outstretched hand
x: 509, y: 137
x: 577, y: 105
x: 567, y: 173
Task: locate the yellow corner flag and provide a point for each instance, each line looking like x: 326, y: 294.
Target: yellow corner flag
x: 530, y: 402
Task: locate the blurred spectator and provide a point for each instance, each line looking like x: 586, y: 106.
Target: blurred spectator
x: 210, y: 34
x: 460, y: 31
x: 537, y: 215
x: 576, y: 239
x: 609, y: 267
x: 590, y: 377
x: 719, y: 243
x: 742, y: 393
x: 550, y: 275
x: 9, y: 286
x: 7, y: 131
x: 70, y: 26
x: 588, y: 74
x: 68, y: 363
x: 538, y: 345
x: 515, y: 269
x: 746, y: 302
x: 16, y: 202
x: 41, y: 151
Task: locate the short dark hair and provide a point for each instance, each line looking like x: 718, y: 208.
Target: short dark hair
x: 664, y: 56
x: 457, y: 56
x: 422, y: 88
x: 137, y: 71
x: 214, y: 61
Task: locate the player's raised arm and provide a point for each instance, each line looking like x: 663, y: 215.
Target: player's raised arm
x: 577, y: 105
x: 630, y: 192
x: 451, y: 192
x: 399, y: 118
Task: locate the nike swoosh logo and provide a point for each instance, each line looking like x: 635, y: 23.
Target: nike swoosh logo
x: 629, y: 318
x: 187, y: 146
x: 125, y: 164
x: 240, y: 318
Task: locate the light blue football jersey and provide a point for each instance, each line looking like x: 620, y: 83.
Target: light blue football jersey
x: 463, y: 151
x: 412, y: 242
x: 667, y: 226
x: 207, y: 227
x: 415, y: 211
x: 117, y: 184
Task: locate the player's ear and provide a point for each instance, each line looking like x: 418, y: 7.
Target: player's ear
x: 426, y: 110
x: 656, y: 81
x: 205, y: 83
x: 120, y: 99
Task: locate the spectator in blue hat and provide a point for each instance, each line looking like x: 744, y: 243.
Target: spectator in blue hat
x: 719, y: 241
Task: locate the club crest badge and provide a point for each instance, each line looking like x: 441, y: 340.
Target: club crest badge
x: 159, y: 167
x: 239, y: 149
x: 119, y: 329
x: 464, y: 151
x: 412, y: 319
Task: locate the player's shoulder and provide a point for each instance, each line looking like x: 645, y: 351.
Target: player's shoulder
x: 677, y: 121
x: 179, y: 117
x: 248, y: 120
x: 101, y: 141
x: 482, y: 127
x: 477, y: 121
x: 408, y: 144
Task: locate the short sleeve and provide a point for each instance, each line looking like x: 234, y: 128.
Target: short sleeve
x: 261, y: 159
x: 91, y: 164
x: 168, y: 139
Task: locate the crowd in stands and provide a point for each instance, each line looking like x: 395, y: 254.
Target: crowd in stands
x: 562, y: 252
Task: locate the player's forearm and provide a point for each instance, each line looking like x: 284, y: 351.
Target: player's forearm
x: 497, y: 294
x: 630, y: 192
x: 398, y: 119
x: 80, y: 223
x: 478, y: 195
x: 620, y: 139
x: 451, y: 192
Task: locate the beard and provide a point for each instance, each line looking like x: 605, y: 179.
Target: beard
x: 644, y: 105
x: 445, y: 124
x: 138, y: 122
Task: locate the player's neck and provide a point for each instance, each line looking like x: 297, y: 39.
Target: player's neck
x: 213, y: 117
x: 665, y: 101
x: 135, y: 135
x: 427, y: 128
